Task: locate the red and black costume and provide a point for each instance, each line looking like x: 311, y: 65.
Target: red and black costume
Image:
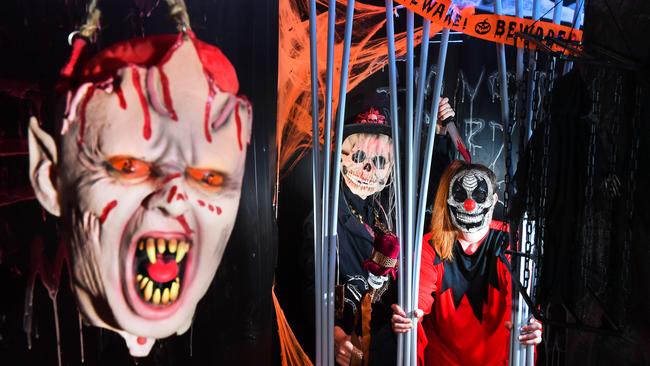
x: 466, y: 302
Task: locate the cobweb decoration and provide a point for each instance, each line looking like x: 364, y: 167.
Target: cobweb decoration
x: 368, y: 54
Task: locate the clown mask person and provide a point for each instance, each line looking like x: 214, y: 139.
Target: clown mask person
x: 464, y: 289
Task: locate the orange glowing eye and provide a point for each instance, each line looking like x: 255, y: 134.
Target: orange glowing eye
x: 206, y: 177
x: 129, y: 168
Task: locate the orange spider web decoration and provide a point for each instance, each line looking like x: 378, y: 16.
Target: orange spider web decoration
x: 368, y: 54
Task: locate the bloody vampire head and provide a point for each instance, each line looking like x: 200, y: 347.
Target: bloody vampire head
x: 146, y: 177
x: 367, y: 154
x: 472, y: 197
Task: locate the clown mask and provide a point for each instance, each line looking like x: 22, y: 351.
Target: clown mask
x: 367, y: 161
x: 472, y: 199
x: 148, y: 175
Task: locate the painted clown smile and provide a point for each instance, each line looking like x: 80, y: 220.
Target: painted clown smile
x: 471, y: 220
x: 159, y: 266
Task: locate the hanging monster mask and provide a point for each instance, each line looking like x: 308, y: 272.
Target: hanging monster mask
x: 147, y: 180
x: 367, y: 154
x: 472, y: 198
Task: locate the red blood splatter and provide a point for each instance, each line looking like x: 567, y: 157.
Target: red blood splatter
x: 164, y: 80
x: 238, y: 120
x: 135, y: 76
x: 186, y: 227
x: 201, y: 203
x: 463, y: 151
x: 180, y: 197
x: 162, y: 271
x: 171, y: 194
x: 107, y: 209
x: 120, y: 96
x: 82, y: 117
x: 211, y: 208
x: 171, y: 177
x: 141, y: 340
x: 219, y: 210
x: 208, y: 107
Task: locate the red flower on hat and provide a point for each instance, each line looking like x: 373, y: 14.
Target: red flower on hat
x: 372, y: 115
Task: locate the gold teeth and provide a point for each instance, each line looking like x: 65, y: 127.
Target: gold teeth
x: 159, y: 296
x: 155, y: 246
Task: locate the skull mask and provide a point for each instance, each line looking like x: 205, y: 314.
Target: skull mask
x: 366, y: 160
x: 150, y: 163
x: 472, y: 199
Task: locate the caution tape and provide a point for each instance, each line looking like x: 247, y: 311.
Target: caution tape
x: 490, y: 27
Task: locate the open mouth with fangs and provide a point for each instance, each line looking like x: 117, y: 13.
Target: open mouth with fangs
x: 159, y: 266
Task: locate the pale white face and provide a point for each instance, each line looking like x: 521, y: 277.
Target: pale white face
x: 150, y: 206
x: 366, y: 163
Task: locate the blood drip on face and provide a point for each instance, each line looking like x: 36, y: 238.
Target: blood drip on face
x: 82, y: 117
x: 164, y: 80
x: 170, y: 195
x: 208, y: 107
x: 238, y: 121
x: 146, y: 129
x: 120, y: 96
x: 107, y: 209
x: 181, y: 220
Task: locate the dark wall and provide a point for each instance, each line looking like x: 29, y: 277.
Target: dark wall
x: 234, y: 323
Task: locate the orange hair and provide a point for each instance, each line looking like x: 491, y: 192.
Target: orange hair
x: 443, y: 232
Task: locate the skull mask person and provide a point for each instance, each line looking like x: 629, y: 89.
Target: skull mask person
x: 472, y: 198
x: 367, y: 158
x: 146, y: 177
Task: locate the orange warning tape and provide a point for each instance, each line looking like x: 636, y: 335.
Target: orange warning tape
x: 490, y: 27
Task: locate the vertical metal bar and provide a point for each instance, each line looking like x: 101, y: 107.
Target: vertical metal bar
x: 519, y: 73
x: 419, y: 100
x: 317, y: 185
x: 426, y: 170
x: 409, y: 180
x: 532, y: 66
x: 503, y: 82
x: 328, y: 335
x: 336, y: 179
x: 577, y: 23
x: 392, y: 82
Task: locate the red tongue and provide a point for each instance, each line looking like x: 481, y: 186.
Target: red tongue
x: 162, y: 271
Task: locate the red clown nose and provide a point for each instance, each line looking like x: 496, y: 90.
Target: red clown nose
x: 469, y: 205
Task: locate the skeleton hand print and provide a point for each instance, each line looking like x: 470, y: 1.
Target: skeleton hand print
x: 367, y: 162
x: 472, y: 198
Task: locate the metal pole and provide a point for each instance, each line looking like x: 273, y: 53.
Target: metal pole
x: 328, y: 341
x: 336, y: 179
x: 577, y: 23
x: 317, y: 185
x: 519, y: 73
x: 422, y: 81
x: 532, y: 66
x: 392, y: 82
x: 410, y: 191
x: 426, y: 171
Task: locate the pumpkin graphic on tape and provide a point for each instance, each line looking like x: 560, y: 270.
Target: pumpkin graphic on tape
x: 483, y: 27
